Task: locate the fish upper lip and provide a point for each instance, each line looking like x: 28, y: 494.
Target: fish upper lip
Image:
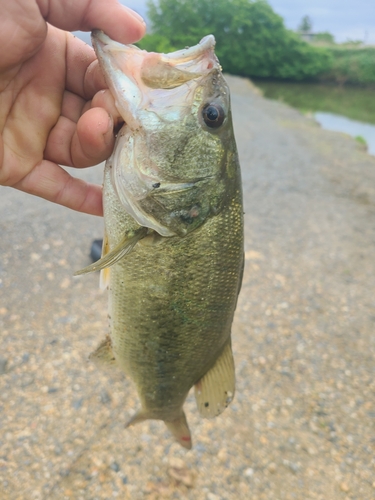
x: 176, y: 58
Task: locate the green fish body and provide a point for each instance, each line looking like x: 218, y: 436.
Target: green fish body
x: 173, y: 250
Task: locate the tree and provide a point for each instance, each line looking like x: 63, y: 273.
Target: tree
x: 251, y: 38
x: 305, y: 25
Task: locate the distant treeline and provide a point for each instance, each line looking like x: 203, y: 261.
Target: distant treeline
x: 253, y: 41
x: 350, y: 65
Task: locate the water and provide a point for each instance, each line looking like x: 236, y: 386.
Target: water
x: 343, y: 109
x: 330, y: 121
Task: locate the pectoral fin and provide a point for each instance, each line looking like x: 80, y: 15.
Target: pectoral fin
x: 215, y: 390
x: 103, y: 354
x: 104, y: 273
x: 125, y: 246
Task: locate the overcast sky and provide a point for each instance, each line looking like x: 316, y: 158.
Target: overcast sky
x: 345, y: 19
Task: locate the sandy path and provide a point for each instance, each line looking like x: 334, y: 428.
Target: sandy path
x: 302, y: 425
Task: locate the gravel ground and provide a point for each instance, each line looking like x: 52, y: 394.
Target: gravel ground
x: 302, y: 425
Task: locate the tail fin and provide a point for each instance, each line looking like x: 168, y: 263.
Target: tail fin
x: 180, y: 430
x: 179, y: 427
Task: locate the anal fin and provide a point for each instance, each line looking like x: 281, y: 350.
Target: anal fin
x: 215, y: 390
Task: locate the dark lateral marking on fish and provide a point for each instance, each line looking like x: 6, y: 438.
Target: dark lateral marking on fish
x: 156, y: 185
x: 206, y: 404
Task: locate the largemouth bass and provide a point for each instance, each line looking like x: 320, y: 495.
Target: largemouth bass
x: 173, y: 247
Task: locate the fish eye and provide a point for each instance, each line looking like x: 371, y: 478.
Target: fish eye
x: 213, y: 115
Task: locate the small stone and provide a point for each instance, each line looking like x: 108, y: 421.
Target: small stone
x: 77, y: 403
x: 212, y: 496
x: 262, y: 360
x: 3, y: 310
x: 294, y: 467
x: 344, y: 487
x: 253, y: 255
x: 177, y: 463
x: 180, y: 472
x: 249, y: 472
x: 58, y: 450
x: 65, y: 283
x: 115, y: 466
x: 222, y: 455
x: 25, y: 357
x: 272, y: 467
x: 104, y: 397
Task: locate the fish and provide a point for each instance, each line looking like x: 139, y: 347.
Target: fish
x: 172, y: 257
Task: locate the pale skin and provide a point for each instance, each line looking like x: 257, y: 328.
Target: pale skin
x: 55, y: 108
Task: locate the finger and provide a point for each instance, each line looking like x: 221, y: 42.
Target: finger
x: 73, y: 106
x: 83, y: 74
x: 119, y: 22
x: 104, y: 99
x: 51, y: 182
x: 93, y: 140
x: 82, y: 144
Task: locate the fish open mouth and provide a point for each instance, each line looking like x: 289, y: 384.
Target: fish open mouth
x: 145, y: 80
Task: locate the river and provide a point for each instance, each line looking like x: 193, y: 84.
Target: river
x: 344, y: 109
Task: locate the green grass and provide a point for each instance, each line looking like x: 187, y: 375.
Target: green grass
x: 361, y: 140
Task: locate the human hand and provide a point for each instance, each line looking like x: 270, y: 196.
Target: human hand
x: 53, y: 109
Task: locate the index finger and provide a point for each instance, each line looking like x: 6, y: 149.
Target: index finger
x: 83, y: 76
x: 116, y: 20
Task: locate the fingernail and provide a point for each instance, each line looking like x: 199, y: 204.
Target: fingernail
x: 137, y: 16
